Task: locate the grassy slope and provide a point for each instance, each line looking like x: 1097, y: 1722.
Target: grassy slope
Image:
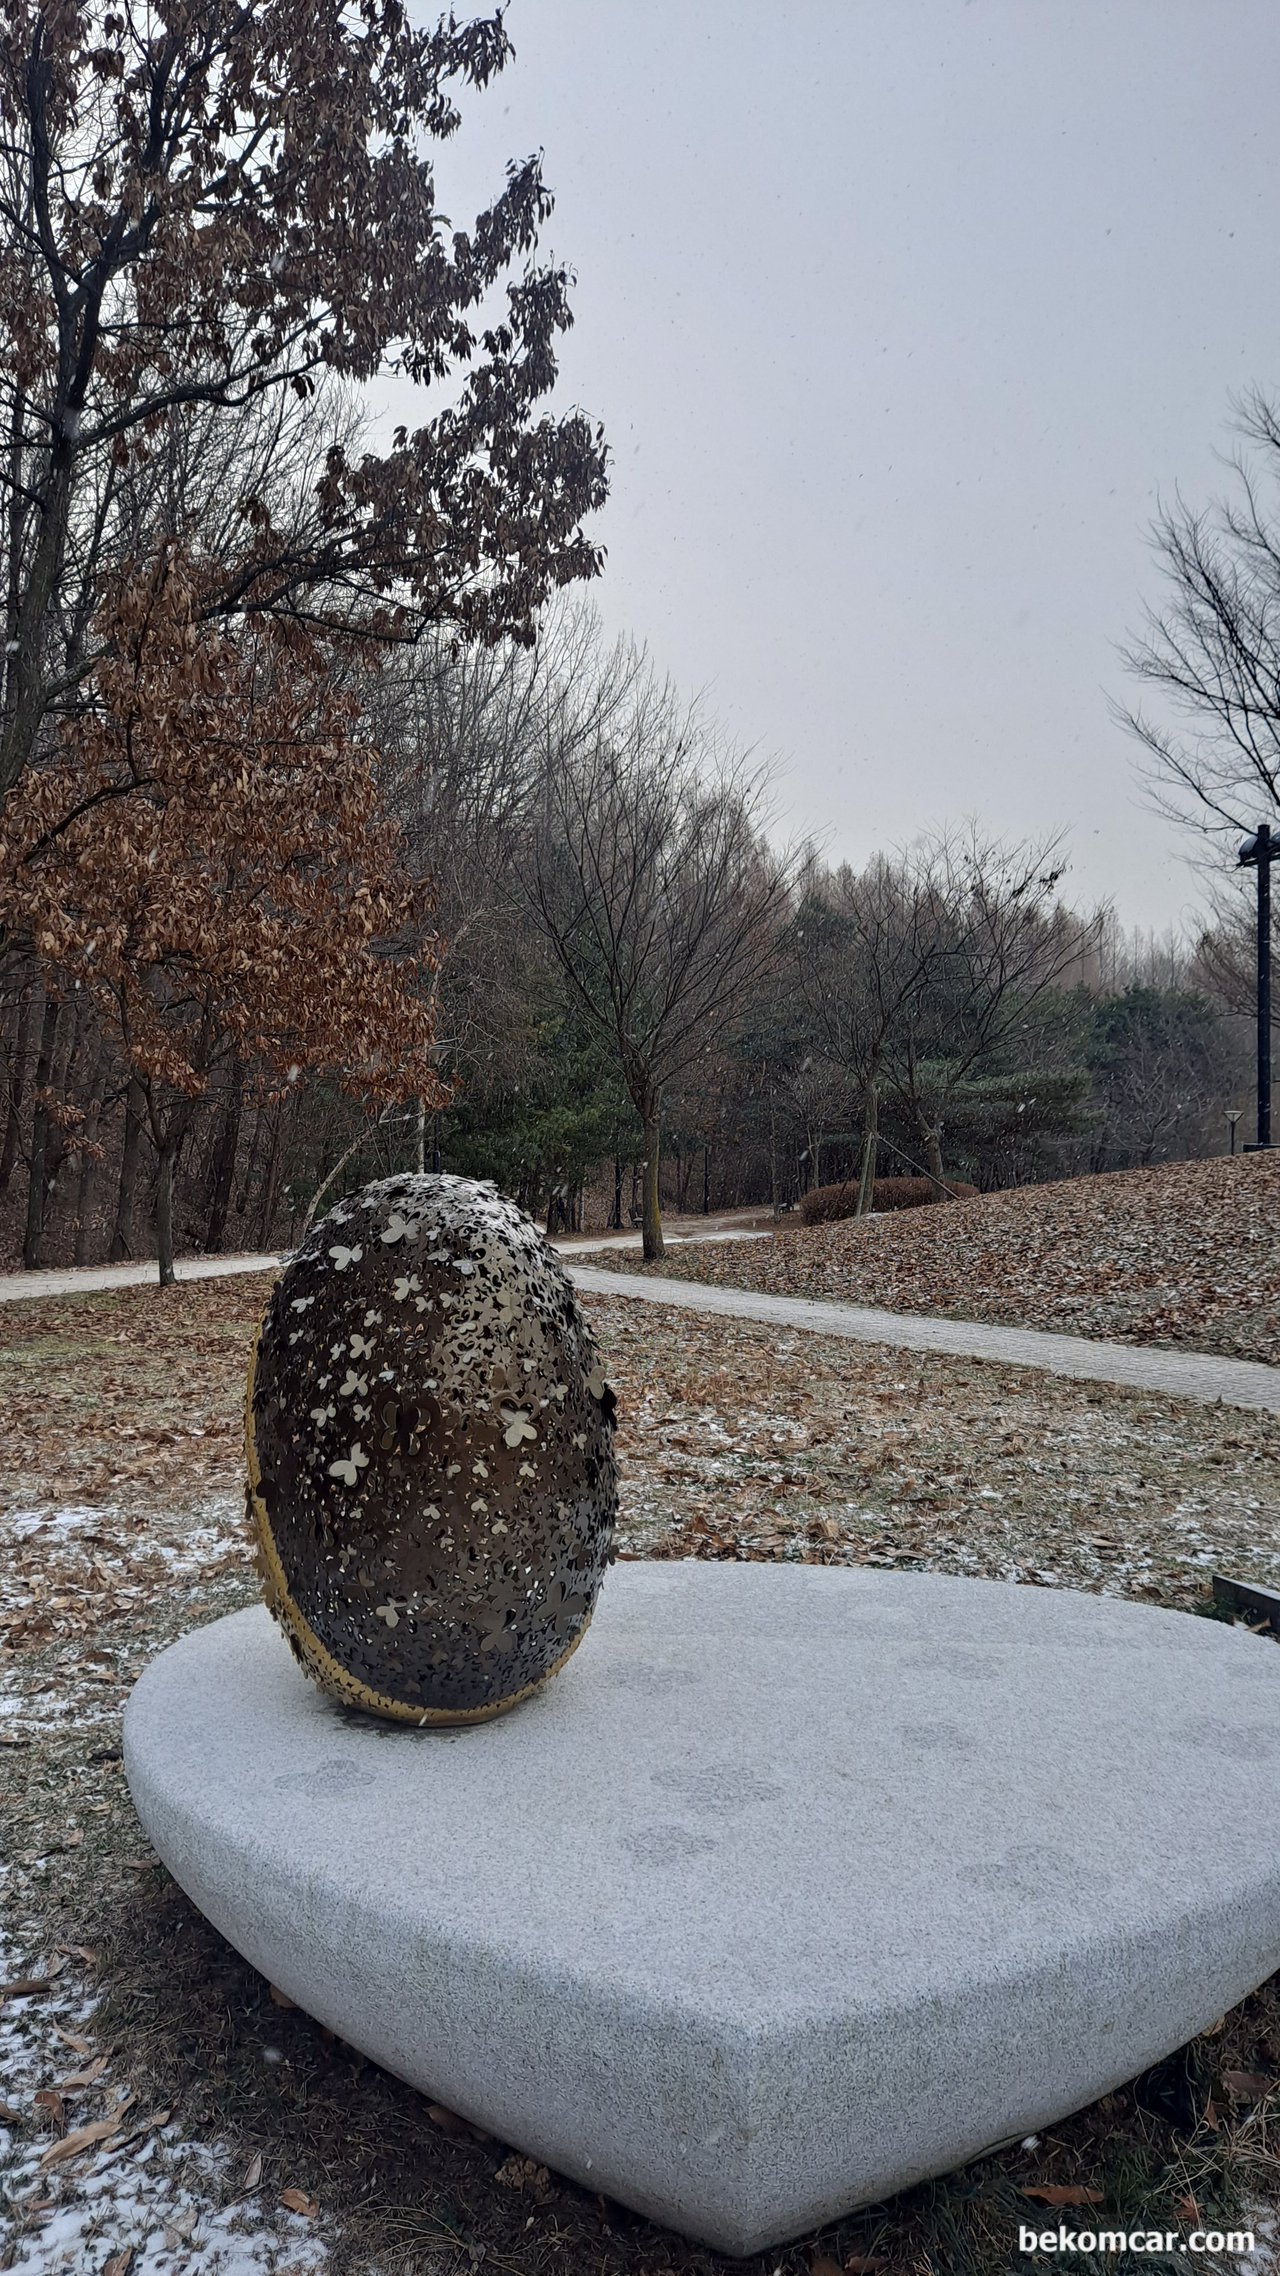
x: 1187, y: 1254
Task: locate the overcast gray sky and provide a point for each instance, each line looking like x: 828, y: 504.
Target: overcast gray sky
x: 900, y: 315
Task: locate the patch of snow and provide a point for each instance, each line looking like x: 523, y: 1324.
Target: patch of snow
x: 160, y: 2195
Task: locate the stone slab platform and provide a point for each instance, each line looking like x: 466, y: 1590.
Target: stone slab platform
x: 798, y: 1885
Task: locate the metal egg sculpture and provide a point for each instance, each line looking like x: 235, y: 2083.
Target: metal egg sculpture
x: 430, y: 1450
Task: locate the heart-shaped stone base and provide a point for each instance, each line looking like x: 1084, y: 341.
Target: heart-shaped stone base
x: 798, y: 1885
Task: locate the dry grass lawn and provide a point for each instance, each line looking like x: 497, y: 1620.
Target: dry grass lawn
x: 253, y: 2143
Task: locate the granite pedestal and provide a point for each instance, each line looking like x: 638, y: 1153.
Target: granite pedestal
x: 798, y: 1884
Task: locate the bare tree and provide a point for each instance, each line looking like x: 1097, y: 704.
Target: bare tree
x: 464, y: 734
x: 865, y: 944
x: 649, y: 877
x: 994, y: 938
x: 1212, y: 653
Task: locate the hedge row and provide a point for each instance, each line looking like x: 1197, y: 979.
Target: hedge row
x: 828, y: 1202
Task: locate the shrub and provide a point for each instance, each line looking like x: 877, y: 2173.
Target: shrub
x: 827, y: 1203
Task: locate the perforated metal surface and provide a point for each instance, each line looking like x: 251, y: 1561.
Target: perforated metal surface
x: 430, y: 1446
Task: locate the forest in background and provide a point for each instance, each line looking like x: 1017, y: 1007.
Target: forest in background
x: 334, y: 839
x: 945, y: 1011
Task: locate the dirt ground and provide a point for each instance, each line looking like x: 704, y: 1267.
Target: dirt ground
x: 1186, y: 1255
x: 237, y: 2138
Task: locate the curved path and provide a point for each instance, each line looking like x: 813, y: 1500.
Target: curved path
x: 1143, y: 1367
x: 1182, y: 1374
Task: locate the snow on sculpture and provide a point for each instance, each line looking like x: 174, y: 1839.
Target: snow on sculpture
x: 430, y: 1449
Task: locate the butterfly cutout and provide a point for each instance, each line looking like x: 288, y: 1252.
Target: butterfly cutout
x: 518, y: 1426
x: 349, y: 1467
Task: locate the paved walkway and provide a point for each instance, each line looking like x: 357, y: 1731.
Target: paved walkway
x: 1181, y: 1374
x: 86, y: 1279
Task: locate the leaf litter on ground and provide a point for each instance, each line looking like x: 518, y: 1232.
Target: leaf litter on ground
x: 1185, y: 1255
x: 255, y: 2144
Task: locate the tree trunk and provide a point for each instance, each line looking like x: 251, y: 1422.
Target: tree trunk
x: 15, y: 1089
x: 223, y: 1168
x: 122, y: 1232
x: 25, y: 690
x: 88, y: 1160
x: 651, y: 1205
x: 870, y: 1145
x: 932, y: 1135
x: 271, y: 1184
x: 164, y: 1208
x: 420, y: 1138
x: 251, y: 1170
x: 58, y: 1142
x: 616, y: 1219
x: 37, y: 1179
x: 84, y: 1187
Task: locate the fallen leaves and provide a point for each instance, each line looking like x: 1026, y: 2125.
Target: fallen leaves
x: 1182, y: 1254
x: 739, y: 1440
x: 86, y: 2137
x: 1064, y: 2193
x: 1247, y: 2086
x: 73, y: 2039
x: 66, y: 1417
x: 297, y: 2201
x: 523, y: 2173
x: 25, y: 1987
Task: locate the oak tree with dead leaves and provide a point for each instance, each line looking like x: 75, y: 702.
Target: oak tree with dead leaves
x: 208, y: 858
x: 205, y: 202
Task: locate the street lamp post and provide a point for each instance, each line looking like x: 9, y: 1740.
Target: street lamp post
x: 1258, y: 852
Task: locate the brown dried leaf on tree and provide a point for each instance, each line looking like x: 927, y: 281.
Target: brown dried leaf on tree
x: 207, y: 859
x: 237, y: 204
